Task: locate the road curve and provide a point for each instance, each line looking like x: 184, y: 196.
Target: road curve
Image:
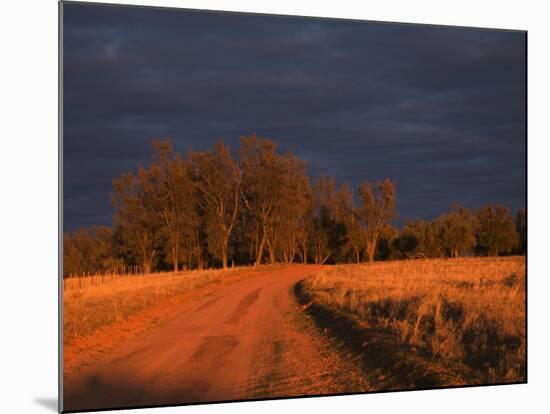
x: 210, y: 353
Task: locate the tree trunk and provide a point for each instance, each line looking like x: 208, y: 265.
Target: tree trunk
x: 292, y: 256
x: 175, y: 259
x: 371, y: 250
x: 260, y: 249
x: 356, y: 254
x: 224, y: 248
x: 224, y: 256
x: 271, y: 252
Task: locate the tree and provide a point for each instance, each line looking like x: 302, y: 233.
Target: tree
x: 103, y: 251
x: 348, y: 214
x: 319, y: 243
x: 420, y: 239
x: 208, y: 208
x: 457, y: 231
x: 410, y: 242
x: 216, y: 177
x: 327, y: 220
x: 135, y: 219
x: 168, y: 191
x: 377, y: 209
x: 385, y: 248
x: 521, y: 227
x: 263, y: 178
x: 75, y: 252
x: 290, y: 215
x: 304, y: 230
x: 85, y: 252
x: 496, y: 232
x: 432, y: 246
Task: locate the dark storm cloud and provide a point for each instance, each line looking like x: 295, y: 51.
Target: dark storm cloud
x: 439, y: 110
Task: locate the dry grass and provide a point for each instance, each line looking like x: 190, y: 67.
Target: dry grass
x: 92, y: 307
x: 465, y: 314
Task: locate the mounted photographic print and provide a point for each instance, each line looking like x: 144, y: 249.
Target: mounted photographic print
x: 264, y: 206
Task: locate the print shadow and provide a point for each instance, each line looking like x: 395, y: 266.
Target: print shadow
x: 49, y: 403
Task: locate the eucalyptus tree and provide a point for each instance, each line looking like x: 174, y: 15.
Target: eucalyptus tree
x: 135, y: 220
x: 216, y: 178
x: 377, y: 210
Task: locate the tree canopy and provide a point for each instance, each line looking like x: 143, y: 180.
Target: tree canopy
x: 211, y: 209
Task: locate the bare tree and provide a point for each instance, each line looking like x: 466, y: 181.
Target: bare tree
x: 217, y: 178
x: 327, y: 229
x: 290, y: 215
x: 348, y: 213
x: 304, y: 230
x: 319, y: 243
x: 168, y: 189
x: 377, y: 210
x: 134, y: 217
x: 262, y: 187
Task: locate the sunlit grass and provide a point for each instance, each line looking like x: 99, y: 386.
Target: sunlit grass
x: 465, y: 312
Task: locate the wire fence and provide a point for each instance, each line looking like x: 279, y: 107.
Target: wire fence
x: 86, y: 279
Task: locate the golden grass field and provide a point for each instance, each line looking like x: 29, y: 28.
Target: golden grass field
x: 466, y: 315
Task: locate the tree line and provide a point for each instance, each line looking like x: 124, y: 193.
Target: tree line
x: 208, y: 209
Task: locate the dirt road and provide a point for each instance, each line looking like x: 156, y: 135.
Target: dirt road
x: 247, y: 341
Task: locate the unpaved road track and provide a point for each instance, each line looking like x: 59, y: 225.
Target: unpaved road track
x: 240, y: 343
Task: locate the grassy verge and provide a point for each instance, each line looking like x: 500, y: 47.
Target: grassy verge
x: 427, y: 323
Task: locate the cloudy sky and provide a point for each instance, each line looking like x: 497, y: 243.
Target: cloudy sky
x: 440, y: 110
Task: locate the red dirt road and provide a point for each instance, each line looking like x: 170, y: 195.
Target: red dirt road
x: 247, y: 341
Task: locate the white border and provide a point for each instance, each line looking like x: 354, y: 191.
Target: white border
x: 28, y: 234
